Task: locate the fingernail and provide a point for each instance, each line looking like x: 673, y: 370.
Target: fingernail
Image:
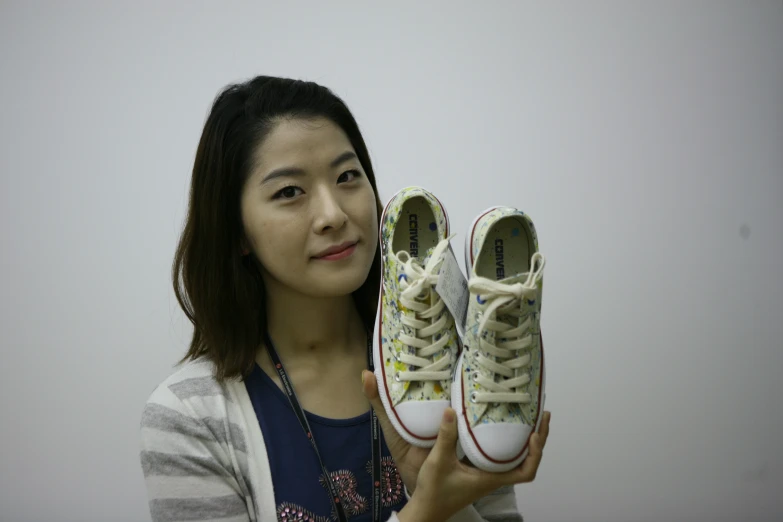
x: 448, y: 416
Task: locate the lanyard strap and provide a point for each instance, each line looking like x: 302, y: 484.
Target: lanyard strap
x: 375, y: 437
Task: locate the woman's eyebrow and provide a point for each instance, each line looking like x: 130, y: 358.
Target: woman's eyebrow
x: 295, y: 171
x: 342, y: 158
x: 282, y: 173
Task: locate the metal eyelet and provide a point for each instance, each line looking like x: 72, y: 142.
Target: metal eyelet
x: 473, y: 397
x: 397, y: 377
x: 475, y: 375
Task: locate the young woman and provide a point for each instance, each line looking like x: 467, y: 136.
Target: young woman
x: 272, y: 416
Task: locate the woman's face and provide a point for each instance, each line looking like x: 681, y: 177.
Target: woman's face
x: 309, y: 211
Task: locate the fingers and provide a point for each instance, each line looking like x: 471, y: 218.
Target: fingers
x: 370, y: 389
x: 544, y: 428
x: 528, y: 470
x: 445, y: 449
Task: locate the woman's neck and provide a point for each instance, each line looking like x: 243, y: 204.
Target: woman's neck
x: 316, y: 328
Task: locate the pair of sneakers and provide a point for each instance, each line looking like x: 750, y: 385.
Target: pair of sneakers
x: 493, y: 376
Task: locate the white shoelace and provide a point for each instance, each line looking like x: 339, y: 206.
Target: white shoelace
x: 510, y: 341
x: 417, y: 284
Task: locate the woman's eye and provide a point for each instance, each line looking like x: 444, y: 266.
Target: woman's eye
x: 287, y: 193
x: 348, y: 175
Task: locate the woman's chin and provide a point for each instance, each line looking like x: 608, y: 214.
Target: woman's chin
x: 334, y: 285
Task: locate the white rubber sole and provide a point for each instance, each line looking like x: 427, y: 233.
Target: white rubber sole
x: 377, y: 352
x: 466, y: 441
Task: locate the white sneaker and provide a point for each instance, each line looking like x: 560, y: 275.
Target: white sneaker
x: 499, y: 380
x: 415, y: 342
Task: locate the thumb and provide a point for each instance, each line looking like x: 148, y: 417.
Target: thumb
x: 370, y: 389
x: 446, y: 446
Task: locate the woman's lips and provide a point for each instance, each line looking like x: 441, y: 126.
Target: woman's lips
x: 341, y: 252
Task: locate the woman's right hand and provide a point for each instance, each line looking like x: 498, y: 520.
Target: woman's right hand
x: 444, y: 485
x: 447, y: 485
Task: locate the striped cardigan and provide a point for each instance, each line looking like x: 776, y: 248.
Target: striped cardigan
x: 203, y: 455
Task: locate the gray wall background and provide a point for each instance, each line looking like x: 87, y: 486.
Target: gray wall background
x: 645, y: 139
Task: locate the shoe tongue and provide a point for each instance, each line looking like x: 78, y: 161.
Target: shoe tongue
x: 422, y: 261
x: 426, y: 257
x: 512, y: 320
x: 519, y: 278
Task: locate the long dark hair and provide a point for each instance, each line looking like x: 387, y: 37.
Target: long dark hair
x: 219, y: 289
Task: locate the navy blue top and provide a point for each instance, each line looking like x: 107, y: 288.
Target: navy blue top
x: 345, y: 446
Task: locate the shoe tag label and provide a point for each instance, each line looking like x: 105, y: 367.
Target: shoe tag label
x: 452, y: 287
